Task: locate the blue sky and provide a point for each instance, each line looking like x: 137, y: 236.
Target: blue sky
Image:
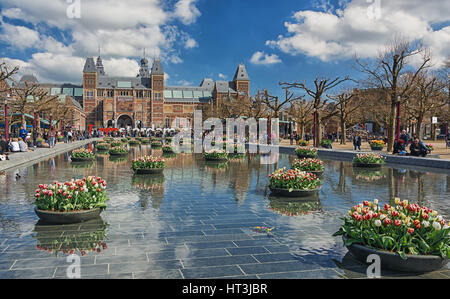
x: 276, y: 40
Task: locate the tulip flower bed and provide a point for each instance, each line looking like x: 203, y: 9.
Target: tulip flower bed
x: 75, y: 195
x: 145, y: 141
x: 102, y: 146
x: 167, y: 149
x: 147, y: 162
x: 302, y: 142
x: 402, y: 228
x: 156, y: 143
x: 134, y: 142
x: 376, y: 144
x: 124, y: 140
x: 82, y: 155
x: 293, y: 179
x: 118, y: 150
x: 326, y: 143
x: 369, y: 159
x: 116, y: 143
x: 216, y: 155
x: 308, y: 165
x: 308, y: 152
x: 108, y: 139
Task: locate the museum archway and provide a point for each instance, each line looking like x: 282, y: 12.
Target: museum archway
x: 124, y: 122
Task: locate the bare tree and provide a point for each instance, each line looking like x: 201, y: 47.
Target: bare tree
x: 6, y: 72
x: 346, y: 106
x: 273, y: 103
x: 427, y: 96
x: 321, y: 86
x: 386, y: 72
x: 30, y: 98
x: 301, y: 112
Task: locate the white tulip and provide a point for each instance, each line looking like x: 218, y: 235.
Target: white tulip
x: 425, y: 223
x: 436, y: 225
x: 378, y: 222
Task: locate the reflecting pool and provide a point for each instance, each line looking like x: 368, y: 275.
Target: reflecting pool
x: 197, y: 220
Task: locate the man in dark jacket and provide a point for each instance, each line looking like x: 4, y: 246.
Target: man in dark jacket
x: 357, y: 141
x: 418, y: 149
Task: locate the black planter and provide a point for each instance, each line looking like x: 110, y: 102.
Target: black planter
x: 293, y: 193
x: 367, y: 165
x: 376, y: 148
x: 393, y: 261
x: 306, y: 156
x: 149, y: 171
x: 82, y: 159
x: 118, y: 154
x: 211, y: 159
x: 67, y: 217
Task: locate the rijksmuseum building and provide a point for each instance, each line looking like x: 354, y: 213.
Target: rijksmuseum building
x: 145, y: 101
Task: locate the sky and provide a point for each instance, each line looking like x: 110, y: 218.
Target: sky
x: 278, y: 41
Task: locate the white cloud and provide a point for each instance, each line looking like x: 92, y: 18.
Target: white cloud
x: 186, y: 11
x: 264, y: 59
x: 352, y: 29
x: 191, y: 43
x: 19, y: 37
x: 122, y: 30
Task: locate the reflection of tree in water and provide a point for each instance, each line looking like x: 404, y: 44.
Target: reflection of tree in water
x: 151, y: 187
x: 71, y: 238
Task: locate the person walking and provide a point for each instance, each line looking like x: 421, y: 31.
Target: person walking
x: 357, y: 141
x: 51, y: 138
x: 23, y: 133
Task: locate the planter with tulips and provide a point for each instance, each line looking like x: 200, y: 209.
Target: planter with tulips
x: 293, y: 183
x: 156, y: 144
x: 306, y: 152
x: 369, y: 160
x: 71, y: 202
x: 376, y: 145
x: 148, y: 165
x: 133, y: 142
x: 82, y: 155
x: 311, y: 165
x: 216, y: 156
x: 102, y: 146
x: 407, y: 237
x: 118, y: 151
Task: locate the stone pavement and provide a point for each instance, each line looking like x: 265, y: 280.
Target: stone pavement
x: 18, y: 159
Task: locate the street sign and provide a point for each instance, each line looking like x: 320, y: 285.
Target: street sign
x: 434, y: 120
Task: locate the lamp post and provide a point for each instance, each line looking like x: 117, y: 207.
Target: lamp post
x: 397, y: 135
x: 6, y: 120
x: 34, y: 128
x: 51, y: 122
x: 314, y: 127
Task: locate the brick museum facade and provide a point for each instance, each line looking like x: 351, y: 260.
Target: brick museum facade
x: 145, y: 101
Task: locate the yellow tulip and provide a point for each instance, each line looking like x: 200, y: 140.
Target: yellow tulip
x: 397, y: 200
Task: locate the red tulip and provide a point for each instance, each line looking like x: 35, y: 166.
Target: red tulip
x: 410, y: 230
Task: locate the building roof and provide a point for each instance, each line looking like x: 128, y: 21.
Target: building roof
x: 225, y: 87
x: 157, y: 68
x: 89, y: 66
x: 28, y: 78
x: 123, y: 82
x: 241, y: 73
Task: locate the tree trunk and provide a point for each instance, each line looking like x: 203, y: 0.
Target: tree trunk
x: 391, y: 129
x: 343, y: 129
x: 24, y: 121
x: 318, y: 130
x: 419, y: 127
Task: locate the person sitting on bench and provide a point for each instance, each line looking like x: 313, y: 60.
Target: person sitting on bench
x: 14, y: 146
